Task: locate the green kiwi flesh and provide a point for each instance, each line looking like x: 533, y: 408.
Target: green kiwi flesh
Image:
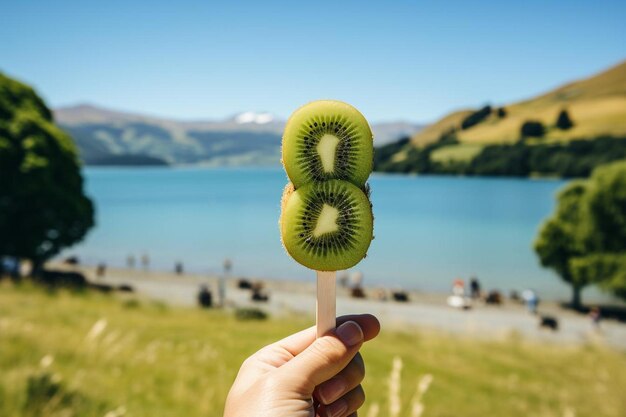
x: 325, y: 140
x: 327, y: 226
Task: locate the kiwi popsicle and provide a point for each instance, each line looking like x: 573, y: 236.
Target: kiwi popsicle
x: 326, y: 221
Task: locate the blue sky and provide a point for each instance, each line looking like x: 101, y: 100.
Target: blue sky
x: 407, y: 60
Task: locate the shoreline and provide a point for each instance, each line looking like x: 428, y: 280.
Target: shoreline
x: 423, y: 311
x: 434, y: 234
x: 380, y: 174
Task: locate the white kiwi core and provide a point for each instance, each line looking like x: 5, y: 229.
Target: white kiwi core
x: 326, y: 149
x: 327, y: 221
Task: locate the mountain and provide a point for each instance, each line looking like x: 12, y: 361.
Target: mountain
x: 489, y: 140
x: 597, y: 106
x: 105, y: 136
x: 387, y: 132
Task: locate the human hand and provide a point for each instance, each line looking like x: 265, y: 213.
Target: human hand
x: 301, y: 376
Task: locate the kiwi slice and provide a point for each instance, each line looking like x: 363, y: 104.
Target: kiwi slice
x: 326, y: 226
x: 325, y: 140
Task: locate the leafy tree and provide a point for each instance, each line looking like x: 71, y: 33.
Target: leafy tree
x: 608, y: 270
x: 42, y: 205
x: 448, y: 137
x: 476, y: 117
x: 563, y: 121
x: 606, y: 208
x: 501, y: 112
x: 605, y: 230
x: 383, y: 154
x: 585, y: 240
x: 561, y: 238
x: 532, y: 128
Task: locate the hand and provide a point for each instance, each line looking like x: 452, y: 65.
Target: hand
x: 301, y: 376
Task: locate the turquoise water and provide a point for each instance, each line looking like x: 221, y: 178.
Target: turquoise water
x: 428, y: 230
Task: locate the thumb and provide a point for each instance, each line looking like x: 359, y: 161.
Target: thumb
x: 325, y: 357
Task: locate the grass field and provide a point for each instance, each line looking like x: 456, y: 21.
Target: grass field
x: 462, y: 152
x: 86, y: 354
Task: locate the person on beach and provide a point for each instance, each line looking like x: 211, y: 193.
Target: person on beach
x: 301, y: 376
x: 228, y: 266
x: 474, y: 288
x: 101, y: 270
x: 221, y: 281
x: 595, y: 315
x: 145, y: 261
x: 357, y: 279
x: 130, y: 261
x: 205, y: 298
x: 458, y: 287
x: 532, y: 300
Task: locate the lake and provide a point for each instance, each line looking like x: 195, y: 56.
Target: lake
x: 429, y: 230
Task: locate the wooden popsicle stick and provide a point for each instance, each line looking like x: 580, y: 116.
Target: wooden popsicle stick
x: 326, y: 308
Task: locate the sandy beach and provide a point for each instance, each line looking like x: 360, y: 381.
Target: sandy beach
x: 424, y: 311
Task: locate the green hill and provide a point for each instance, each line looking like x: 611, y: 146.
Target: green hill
x: 464, y: 142
x: 597, y: 105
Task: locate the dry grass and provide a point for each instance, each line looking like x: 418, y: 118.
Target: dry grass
x: 433, y: 132
x: 592, y: 118
x: 93, y: 355
x: 463, y: 152
x: 597, y: 105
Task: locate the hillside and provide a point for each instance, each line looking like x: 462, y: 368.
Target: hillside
x: 103, y: 135
x: 597, y: 105
x: 488, y: 141
x: 249, y: 138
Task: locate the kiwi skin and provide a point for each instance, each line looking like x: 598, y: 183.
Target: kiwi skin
x: 287, y: 191
x: 299, y: 175
x: 293, y: 203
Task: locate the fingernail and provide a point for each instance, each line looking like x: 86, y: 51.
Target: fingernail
x: 337, y: 408
x: 350, y: 333
x: 332, y: 389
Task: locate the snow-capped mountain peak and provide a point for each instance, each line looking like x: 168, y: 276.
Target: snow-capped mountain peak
x: 254, y: 117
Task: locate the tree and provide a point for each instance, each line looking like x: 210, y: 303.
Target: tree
x: 561, y: 238
x: 42, y: 205
x: 606, y: 209
x: 501, y: 112
x: 563, y: 121
x: 532, y: 128
x: 605, y: 230
x: 585, y: 239
x: 476, y: 117
x: 608, y: 270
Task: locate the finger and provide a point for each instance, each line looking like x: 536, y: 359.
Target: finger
x: 344, y: 406
x: 368, y: 323
x: 317, y: 414
x: 296, y: 343
x: 324, y: 358
x: 279, y: 353
x: 346, y: 380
